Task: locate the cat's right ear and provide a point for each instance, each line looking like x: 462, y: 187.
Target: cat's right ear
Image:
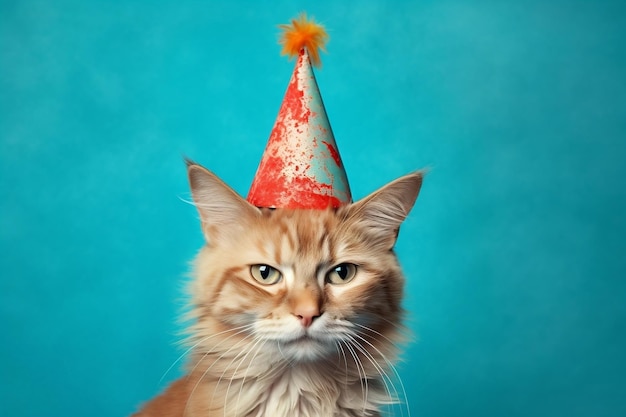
x: 382, y: 212
x: 220, y: 207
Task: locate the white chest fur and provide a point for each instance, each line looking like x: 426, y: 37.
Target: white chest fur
x: 304, y: 390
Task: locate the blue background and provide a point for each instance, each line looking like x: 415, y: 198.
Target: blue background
x: 514, y: 252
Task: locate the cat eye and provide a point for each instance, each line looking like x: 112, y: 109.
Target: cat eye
x: 265, y: 274
x: 341, y: 274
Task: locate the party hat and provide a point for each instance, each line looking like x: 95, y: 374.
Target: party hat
x: 301, y: 167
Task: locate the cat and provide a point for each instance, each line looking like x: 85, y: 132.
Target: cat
x: 296, y: 312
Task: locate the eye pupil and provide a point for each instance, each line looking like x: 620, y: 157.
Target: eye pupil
x: 342, y: 271
x: 265, y: 271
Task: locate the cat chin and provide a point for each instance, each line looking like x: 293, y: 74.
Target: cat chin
x: 304, y: 349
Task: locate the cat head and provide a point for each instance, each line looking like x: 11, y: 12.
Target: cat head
x: 305, y: 283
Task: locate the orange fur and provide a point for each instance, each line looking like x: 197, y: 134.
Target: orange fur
x: 304, y: 33
x: 302, y: 346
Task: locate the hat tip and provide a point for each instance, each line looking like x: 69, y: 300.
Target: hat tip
x: 303, y: 33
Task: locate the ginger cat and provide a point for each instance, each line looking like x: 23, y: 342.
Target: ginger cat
x: 297, y: 312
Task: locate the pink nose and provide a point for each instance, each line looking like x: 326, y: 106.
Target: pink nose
x: 306, y: 314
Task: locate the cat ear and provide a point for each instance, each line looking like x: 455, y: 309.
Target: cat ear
x: 382, y: 212
x: 218, y: 204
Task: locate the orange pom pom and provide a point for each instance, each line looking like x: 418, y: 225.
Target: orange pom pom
x: 303, y: 33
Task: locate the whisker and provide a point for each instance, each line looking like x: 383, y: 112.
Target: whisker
x: 182, y: 356
x: 236, y: 345
x: 288, y: 361
x: 369, y: 329
x: 245, y: 375
x: 184, y: 200
x: 362, y: 376
x: 394, y: 370
x: 345, y: 360
x: 281, y: 351
x: 200, y: 341
x: 397, y: 326
x: 241, y: 329
x: 257, y: 340
x: 246, y: 350
x: 385, y: 378
x: 389, y: 363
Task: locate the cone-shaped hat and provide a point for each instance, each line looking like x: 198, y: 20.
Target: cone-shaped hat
x: 301, y: 167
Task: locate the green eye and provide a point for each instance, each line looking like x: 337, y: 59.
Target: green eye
x: 265, y: 274
x: 341, y: 274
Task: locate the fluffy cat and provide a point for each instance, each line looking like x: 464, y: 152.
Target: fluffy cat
x: 297, y: 312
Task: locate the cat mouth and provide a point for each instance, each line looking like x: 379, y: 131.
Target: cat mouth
x: 305, y: 338
x: 304, y: 342
x: 304, y: 348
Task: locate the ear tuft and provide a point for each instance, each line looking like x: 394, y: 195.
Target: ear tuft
x: 219, y: 205
x: 382, y: 212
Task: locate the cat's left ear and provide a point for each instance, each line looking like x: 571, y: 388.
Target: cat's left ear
x: 220, y: 207
x: 382, y: 212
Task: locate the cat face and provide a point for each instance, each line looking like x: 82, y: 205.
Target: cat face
x: 303, y: 284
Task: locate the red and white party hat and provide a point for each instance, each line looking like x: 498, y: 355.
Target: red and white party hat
x: 301, y: 167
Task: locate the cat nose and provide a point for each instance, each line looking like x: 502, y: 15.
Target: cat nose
x: 305, y: 305
x: 306, y: 313
x: 306, y: 318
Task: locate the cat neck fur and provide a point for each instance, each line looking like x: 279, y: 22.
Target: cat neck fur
x: 258, y: 383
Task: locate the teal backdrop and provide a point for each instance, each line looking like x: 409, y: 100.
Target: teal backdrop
x: 514, y: 253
